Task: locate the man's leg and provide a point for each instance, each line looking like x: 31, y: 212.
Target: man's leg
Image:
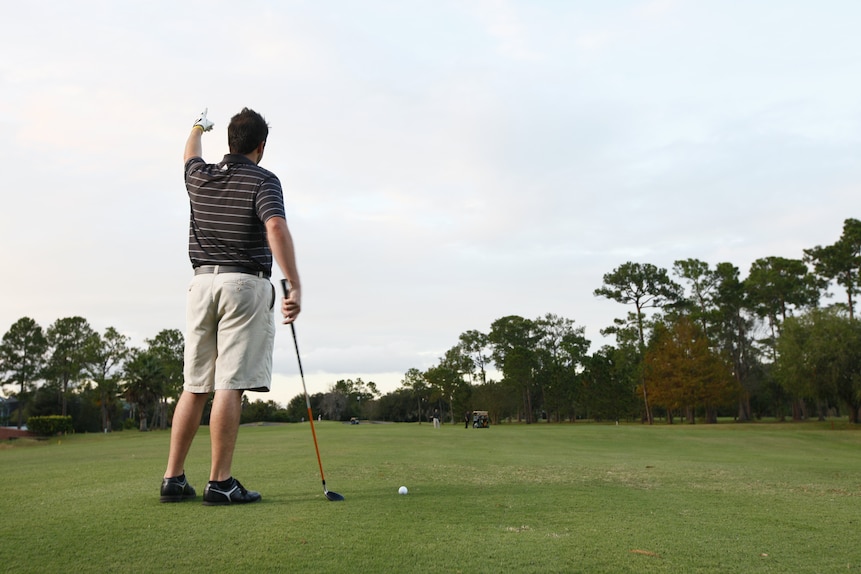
x: 223, y: 429
x: 186, y: 421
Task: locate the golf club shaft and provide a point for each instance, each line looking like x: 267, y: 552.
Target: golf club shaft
x: 285, y: 286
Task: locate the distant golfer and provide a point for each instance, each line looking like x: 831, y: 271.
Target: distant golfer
x: 436, y: 418
x: 237, y: 225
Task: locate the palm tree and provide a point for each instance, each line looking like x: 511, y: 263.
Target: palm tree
x: 143, y: 384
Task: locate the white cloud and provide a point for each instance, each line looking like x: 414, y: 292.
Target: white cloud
x: 505, y: 23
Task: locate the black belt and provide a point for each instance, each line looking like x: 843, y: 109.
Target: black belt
x: 206, y: 269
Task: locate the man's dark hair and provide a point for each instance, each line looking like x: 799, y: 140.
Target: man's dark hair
x: 246, y: 131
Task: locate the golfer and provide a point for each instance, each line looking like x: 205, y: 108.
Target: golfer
x: 237, y: 226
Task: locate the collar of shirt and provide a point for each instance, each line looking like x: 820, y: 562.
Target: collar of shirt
x: 236, y: 158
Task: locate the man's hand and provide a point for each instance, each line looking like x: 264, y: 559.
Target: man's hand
x: 290, y: 306
x: 203, y: 122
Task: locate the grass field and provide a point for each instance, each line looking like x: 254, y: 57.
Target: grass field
x: 512, y: 498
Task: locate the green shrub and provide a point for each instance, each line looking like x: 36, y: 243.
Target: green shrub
x: 50, y: 425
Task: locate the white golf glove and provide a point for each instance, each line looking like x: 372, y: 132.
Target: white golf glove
x: 203, y: 121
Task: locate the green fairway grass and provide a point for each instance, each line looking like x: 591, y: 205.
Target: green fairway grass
x: 513, y: 498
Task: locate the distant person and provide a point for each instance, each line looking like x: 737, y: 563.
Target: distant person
x: 466, y: 418
x: 436, y: 418
x: 237, y: 225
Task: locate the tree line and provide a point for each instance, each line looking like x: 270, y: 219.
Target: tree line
x: 698, y: 342
x: 97, y: 379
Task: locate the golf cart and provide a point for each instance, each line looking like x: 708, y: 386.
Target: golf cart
x: 480, y: 420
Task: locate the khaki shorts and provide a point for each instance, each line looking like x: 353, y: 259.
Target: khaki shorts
x: 230, y: 332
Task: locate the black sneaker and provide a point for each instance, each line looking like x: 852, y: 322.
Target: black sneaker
x: 228, y: 492
x: 176, y: 489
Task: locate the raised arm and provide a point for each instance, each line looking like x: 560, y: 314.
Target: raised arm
x: 193, y: 145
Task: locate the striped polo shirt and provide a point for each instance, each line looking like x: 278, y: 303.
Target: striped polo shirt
x: 230, y: 204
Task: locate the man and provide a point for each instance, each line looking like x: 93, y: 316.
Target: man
x: 237, y: 226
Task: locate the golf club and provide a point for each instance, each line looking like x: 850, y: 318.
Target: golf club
x: 333, y: 496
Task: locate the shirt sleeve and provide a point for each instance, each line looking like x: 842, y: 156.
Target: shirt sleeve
x: 270, y: 200
x: 193, y: 165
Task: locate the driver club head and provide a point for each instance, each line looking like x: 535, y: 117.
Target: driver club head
x: 334, y: 496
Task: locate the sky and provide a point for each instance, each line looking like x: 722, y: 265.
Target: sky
x: 444, y: 163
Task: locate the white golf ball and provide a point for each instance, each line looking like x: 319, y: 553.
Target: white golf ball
x: 402, y: 490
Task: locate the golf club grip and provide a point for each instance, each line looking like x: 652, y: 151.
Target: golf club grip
x: 285, y: 287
